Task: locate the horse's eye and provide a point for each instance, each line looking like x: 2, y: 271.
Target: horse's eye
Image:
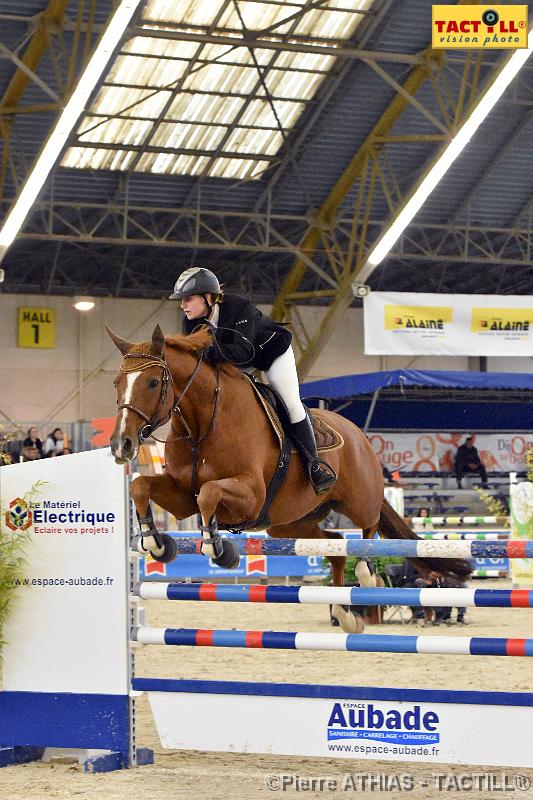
x: 153, y: 383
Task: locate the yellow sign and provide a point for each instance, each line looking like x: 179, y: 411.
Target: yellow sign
x: 501, y: 320
x: 488, y: 27
x: 37, y: 327
x: 417, y: 317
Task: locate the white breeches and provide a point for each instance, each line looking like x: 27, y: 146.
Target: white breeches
x: 283, y: 378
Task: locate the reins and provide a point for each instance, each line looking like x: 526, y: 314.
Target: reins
x: 155, y: 422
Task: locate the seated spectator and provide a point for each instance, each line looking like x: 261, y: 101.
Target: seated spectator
x: 410, y: 578
x: 423, y: 514
x: 444, y: 614
x: 66, y: 451
x: 32, y: 441
x: 55, y: 443
x: 467, y: 461
x: 30, y: 453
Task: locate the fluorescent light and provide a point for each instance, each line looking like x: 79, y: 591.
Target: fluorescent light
x: 484, y: 106
x: 64, y: 125
x: 83, y: 303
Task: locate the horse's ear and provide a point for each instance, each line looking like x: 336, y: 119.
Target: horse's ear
x: 122, y: 344
x: 158, y: 340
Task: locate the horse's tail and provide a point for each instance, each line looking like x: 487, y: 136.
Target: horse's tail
x: 392, y: 526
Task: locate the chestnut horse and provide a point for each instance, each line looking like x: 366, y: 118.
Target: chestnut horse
x: 221, y: 453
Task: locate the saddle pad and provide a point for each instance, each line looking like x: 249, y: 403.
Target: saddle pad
x: 327, y: 438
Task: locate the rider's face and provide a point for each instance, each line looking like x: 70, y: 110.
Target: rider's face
x: 194, y: 306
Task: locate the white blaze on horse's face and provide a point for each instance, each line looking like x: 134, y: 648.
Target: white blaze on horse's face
x: 124, y: 443
x: 131, y: 378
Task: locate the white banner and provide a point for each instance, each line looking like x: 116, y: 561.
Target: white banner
x: 435, y: 452
x: 393, y: 730
x: 68, y: 629
x: 402, y: 323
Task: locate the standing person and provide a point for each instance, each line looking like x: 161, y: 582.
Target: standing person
x: 54, y: 444
x: 245, y: 337
x: 32, y: 441
x: 467, y: 460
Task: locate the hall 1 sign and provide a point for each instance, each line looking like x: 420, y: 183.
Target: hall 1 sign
x: 37, y: 327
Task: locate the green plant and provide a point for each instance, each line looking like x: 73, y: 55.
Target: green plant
x: 379, y: 563
x: 495, y: 507
x: 529, y: 464
x: 12, y: 561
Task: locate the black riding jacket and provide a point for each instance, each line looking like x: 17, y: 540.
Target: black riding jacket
x: 264, y: 340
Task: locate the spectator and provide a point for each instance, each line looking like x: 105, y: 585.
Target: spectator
x: 411, y: 579
x: 467, y: 460
x: 444, y: 614
x: 32, y: 441
x: 55, y: 443
x: 66, y: 451
x: 424, y: 520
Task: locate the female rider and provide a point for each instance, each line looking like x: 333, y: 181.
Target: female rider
x: 247, y: 338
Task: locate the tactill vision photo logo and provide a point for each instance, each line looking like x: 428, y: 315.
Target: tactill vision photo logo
x: 464, y: 27
x: 19, y: 516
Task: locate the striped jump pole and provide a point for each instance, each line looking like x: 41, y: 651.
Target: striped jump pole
x: 487, y: 536
x: 369, y: 548
x: 460, y: 520
x: 346, y: 595
x: 362, y: 643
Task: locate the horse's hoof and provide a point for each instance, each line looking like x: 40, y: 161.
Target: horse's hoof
x: 230, y: 557
x: 170, y: 551
x: 363, y: 574
x: 349, y: 622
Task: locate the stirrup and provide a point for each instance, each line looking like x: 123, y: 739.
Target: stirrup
x: 324, y: 476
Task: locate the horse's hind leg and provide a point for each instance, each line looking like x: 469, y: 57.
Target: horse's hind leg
x: 349, y: 621
x: 164, y: 491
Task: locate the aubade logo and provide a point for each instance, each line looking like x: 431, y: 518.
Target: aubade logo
x: 364, y: 721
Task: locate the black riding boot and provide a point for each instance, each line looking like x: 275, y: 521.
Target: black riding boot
x: 321, y: 475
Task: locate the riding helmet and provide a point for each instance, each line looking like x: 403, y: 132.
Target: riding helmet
x: 195, y: 280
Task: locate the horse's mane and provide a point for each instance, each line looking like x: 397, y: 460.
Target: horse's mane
x: 192, y: 342
x: 199, y: 340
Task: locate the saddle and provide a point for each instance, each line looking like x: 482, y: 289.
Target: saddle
x: 327, y: 438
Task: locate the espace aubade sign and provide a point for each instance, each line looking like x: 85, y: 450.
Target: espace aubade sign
x: 479, y: 27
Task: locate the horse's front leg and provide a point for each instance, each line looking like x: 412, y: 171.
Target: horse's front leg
x: 236, y: 495
x: 168, y: 494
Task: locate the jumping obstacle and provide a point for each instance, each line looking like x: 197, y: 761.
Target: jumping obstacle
x: 69, y: 667
x: 345, y: 595
x: 370, y: 548
x: 487, y: 520
x: 486, y: 536
x: 353, y: 642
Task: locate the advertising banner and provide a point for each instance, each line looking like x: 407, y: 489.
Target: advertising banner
x: 416, y: 726
x: 521, y: 503
x: 72, y: 604
x: 401, y: 323
x: 435, y: 452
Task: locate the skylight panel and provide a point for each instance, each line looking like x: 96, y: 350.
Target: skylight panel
x: 214, y: 99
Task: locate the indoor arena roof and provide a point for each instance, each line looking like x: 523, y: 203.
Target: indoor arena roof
x: 270, y: 141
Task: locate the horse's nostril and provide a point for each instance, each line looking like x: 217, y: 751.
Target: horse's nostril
x: 127, y: 445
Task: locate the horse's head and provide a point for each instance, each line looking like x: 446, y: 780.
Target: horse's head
x: 144, y: 393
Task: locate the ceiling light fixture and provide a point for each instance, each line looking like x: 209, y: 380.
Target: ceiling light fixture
x: 448, y: 155
x: 83, y: 303
x: 61, y: 131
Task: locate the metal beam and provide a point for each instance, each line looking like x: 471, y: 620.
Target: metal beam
x: 50, y: 17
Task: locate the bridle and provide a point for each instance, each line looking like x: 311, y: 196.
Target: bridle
x: 156, y: 420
